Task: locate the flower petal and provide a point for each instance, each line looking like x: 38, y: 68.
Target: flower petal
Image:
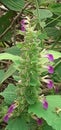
x: 50, y: 84
x: 6, y: 118
x: 39, y: 121
x: 45, y: 104
x: 50, y: 57
x: 50, y: 69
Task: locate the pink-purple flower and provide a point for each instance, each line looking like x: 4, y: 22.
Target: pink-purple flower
x: 39, y: 121
x: 50, y: 69
x: 25, y: 23
x: 45, y: 104
x: 50, y: 83
x: 23, y: 27
x: 6, y: 118
x: 50, y: 57
x: 11, y: 108
x: 9, y: 112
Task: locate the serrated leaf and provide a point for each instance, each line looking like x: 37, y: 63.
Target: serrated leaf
x: 13, y: 5
x: 9, y: 94
x: 52, y: 118
x: 17, y: 124
x: 31, y: 95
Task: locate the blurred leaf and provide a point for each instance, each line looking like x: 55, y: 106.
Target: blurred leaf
x: 7, y: 56
x: 43, y: 13
x: 52, y: 118
x: 1, y: 74
x: 45, y: 1
x: 13, y: 5
x: 17, y: 124
x: 13, y: 50
x: 47, y: 127
x: 9, y: 94
x: 5, y: 21
x: 55, y: 8
x: 42, y: 36
x: 8, y: 73
x: 58, y: 68
x: 59, y: 24
x: 53, y: 32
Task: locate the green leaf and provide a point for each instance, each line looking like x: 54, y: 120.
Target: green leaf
x: 43, y: 13
x: 42, y: 36
x: 15, y: 5
x: 13, y: 67
x: 47, y: 127
x: 58, y: 68
x: 7, y: 56
x: 9, y: 94
x: 56, y: 8
x: 52, y: 118
x: 17, y: 124
x: 31, y: 95
x: 57, y: 74
x: 8, y: 73
x: 13, y: 50
x: 45, y: 1
x: 53, y: 32
x: 5, y: 21
x: 1, y: 74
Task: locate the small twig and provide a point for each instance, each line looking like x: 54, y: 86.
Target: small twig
x: 14, y: 20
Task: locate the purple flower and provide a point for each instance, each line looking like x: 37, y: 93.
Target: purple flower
x: 50, y: 57
x: 6, y: 118
x: 45, y: 104
x: 50, y: 83
x: 22, y: 21
x: 39, y: 121
x: 23, y: 27
x: 11, y: 108
x: 9, y: 113
x: 50, y: 69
